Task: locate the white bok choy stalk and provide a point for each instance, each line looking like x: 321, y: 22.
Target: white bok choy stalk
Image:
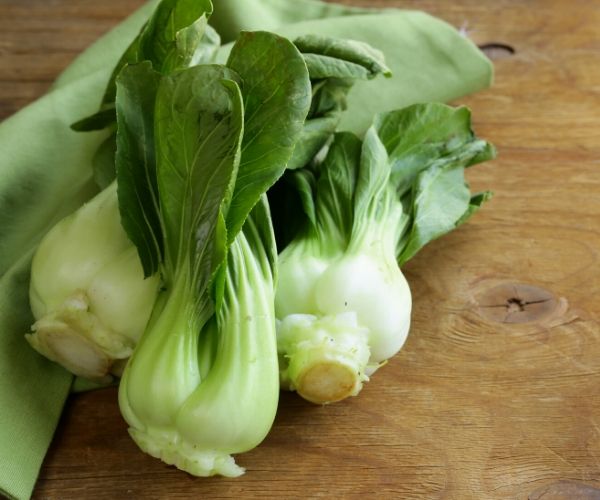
x: 88, y: 293
x: 342, y: 302
x: 197, y: 150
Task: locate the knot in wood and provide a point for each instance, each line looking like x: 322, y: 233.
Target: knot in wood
x: 516, y: 303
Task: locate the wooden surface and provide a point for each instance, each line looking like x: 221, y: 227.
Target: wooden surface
x: 497, y: 391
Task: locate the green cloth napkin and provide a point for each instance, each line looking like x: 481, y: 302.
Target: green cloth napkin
x: 45, y: 172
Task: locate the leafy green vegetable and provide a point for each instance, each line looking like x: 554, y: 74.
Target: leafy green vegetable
x: 334, y: 65
x: 90, y: 334
x: 198, y: 139
x: 428, y: 148
x: 342, y: 301
x: 209, y: 351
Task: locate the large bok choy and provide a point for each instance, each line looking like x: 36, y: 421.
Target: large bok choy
x: 342, y: 302
x: 196, y: 152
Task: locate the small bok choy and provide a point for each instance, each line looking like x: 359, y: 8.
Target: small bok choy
x: 197, y: 150
x: 87, y: 292
x: 342, y: 302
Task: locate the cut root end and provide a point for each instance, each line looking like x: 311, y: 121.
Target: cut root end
x: 327, y: 382
x: 75, y: 338
x: 191, y: 458
x: 72, y: 351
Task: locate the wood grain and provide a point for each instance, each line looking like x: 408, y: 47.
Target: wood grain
x: 474, y: 406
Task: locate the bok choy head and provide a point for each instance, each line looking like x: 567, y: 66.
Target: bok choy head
x: 342, y: 302
x: 196, y: 152
x: 88, y: 293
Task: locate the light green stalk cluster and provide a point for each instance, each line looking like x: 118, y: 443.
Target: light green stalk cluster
x: 199, y: 389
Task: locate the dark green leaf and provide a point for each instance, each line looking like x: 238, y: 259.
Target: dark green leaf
x: 98, y: 121
x: 137, y: 87
x: 276, y: 92
x: 417, y: 136
x: 170, y: 38
x: 315, y: 134
x: 103, y: 162
x: 320, y: 66
x: 329, y: 96
x: 441, y: 199
x: 172, y: 33
x: 198, y: 132
x: 352, y: 51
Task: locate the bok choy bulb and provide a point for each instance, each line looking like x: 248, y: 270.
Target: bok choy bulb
x: 223, y: 394
x: 342, y: 302
x: 88, y: 293
x: 203, y: 381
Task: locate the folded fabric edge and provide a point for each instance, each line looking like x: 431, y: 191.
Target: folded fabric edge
x: 488, y: 69
x: 104, y: 53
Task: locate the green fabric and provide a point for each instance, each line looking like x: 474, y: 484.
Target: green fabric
x: 40, y: 180
x: 45, y: 173
x: 429, y: 60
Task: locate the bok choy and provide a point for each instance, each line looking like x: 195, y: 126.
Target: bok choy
x: 342, y: 302
x: 87, y: 292
x: 203, y: 383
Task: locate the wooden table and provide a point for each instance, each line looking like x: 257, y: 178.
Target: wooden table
x: 496, y: 393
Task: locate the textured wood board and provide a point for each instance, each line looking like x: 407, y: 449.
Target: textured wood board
x: 496, y: 393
